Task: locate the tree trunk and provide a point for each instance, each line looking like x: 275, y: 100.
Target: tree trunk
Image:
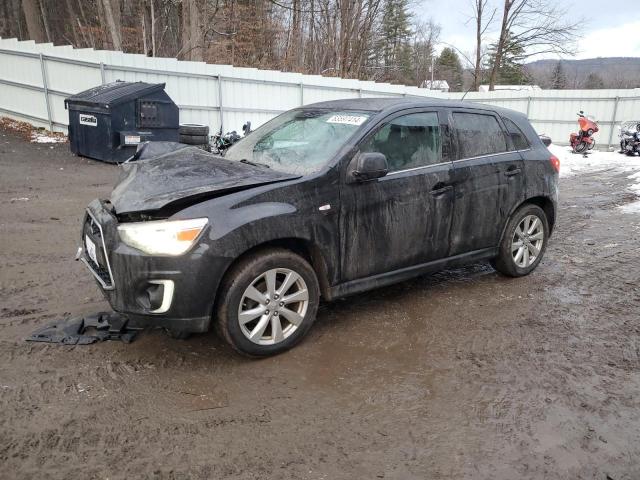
x: 478, y: 66
x: 143, y: 21
x: 500, y: 46
x: 33, y: 16
x: 112, y: 17
x: 45, y: 21
x: 17, y: 16
x: 192, y: 47
x: 82, y: 27
x: 74, y: 31
x: 153, y: 29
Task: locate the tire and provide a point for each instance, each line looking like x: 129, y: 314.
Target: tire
x: 623, y: 146
x: 253, y: 271
x: 591, y: 145
x: 506, y: 262
x: 580, y: 147
x: 194, y: 129
x: 194, y: 139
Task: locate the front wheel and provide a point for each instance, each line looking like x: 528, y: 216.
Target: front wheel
x: 580, y: 147
x: 523, y: 243
x: 268, y: 303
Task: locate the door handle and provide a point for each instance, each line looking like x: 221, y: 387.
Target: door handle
x: 439, y: 189
x: 512, y: 171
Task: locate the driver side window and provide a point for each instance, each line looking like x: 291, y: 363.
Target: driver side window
x: 409, y: 141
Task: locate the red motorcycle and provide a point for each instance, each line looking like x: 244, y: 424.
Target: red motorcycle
x: 583, y: 140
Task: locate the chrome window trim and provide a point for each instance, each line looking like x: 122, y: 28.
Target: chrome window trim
x: 490, y: 155
x: 106, y: 256
x: 415, y: 168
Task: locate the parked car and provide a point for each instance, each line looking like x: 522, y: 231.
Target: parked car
x: 323, y: 201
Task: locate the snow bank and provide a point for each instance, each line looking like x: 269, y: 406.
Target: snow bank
x: 572, y: 164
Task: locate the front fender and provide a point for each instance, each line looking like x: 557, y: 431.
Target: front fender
x: 245, y: 220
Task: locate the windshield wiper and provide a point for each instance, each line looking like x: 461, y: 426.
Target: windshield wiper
x: 255, y: 164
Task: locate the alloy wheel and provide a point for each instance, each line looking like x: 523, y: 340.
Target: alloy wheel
x: 527, y: 241
x: 273, y: 306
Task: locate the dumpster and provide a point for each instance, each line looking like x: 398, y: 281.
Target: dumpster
x: 108, y: 122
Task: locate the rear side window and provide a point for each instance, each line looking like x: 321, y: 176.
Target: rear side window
x: 478, y: 134
x: 518, y: 138
x: 409, y: 141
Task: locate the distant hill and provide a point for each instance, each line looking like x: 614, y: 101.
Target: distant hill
x: 614, y: 72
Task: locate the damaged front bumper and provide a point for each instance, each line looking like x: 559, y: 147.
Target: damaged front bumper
x: 174, y: 292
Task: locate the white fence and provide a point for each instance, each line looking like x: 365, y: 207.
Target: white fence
x: 36, y: 78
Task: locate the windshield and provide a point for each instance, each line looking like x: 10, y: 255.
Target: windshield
x: 299, y: 141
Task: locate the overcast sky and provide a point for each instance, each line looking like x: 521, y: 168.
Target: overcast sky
x: 613, y: 28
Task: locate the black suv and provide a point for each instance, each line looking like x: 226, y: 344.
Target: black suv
x: 323, y: 201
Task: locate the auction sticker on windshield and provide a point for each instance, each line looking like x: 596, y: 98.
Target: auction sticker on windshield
x: 91, y: 249
x: 347, y: 119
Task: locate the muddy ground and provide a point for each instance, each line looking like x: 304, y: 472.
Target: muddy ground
x: 464, y: 374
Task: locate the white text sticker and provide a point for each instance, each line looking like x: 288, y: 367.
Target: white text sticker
x: 347, y: 119
x: 88, y: 120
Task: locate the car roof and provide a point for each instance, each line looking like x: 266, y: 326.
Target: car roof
x: 388, y: 105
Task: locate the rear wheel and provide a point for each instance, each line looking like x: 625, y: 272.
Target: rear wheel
x: 268, y: 303
x: 523, y: 243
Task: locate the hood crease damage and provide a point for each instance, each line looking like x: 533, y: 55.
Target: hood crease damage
x: 183, y: 176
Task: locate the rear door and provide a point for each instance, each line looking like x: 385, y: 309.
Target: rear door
x: 402, y: 219
x: 488, y: 178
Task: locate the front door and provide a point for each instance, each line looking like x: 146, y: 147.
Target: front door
x: 402, y: 219
x: 488, y: 179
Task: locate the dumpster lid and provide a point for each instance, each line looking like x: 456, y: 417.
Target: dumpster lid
x: 113, y: 93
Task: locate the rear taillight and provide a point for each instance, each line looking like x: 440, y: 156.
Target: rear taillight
x: 555, y: 163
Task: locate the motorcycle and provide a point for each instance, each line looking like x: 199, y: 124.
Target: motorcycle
x: 632, y: 141
x: 583, y: 140
x: 222, y: 142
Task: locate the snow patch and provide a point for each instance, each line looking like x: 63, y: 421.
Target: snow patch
x: 572, y: 164
x: 633, y: 207
x: 47, y: 137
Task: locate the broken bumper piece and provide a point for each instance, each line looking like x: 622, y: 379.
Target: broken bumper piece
x: 85, y: 330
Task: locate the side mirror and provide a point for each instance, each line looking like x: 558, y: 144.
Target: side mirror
x: 545, y: 139
x: 368, y: 166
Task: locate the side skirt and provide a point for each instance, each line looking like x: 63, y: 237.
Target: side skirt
x: 382, y: 279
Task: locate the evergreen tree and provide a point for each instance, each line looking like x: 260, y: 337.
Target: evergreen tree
x: 511, y: 69
x: 558, y: 77
x: 394, y: 42
x: 449, y: 68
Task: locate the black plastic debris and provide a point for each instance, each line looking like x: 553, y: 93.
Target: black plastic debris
x: 86, y: 330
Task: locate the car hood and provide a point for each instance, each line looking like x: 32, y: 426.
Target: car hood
x: 184, y: 175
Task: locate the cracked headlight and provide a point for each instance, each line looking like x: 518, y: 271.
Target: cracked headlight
x: 163, y: 237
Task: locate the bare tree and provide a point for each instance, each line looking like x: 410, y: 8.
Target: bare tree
x: 113, y: 20
x: 425, y: 37
x: 33, y: 16
x: 537, y: 26
x: 192, y: 41
x: 482, y: 19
